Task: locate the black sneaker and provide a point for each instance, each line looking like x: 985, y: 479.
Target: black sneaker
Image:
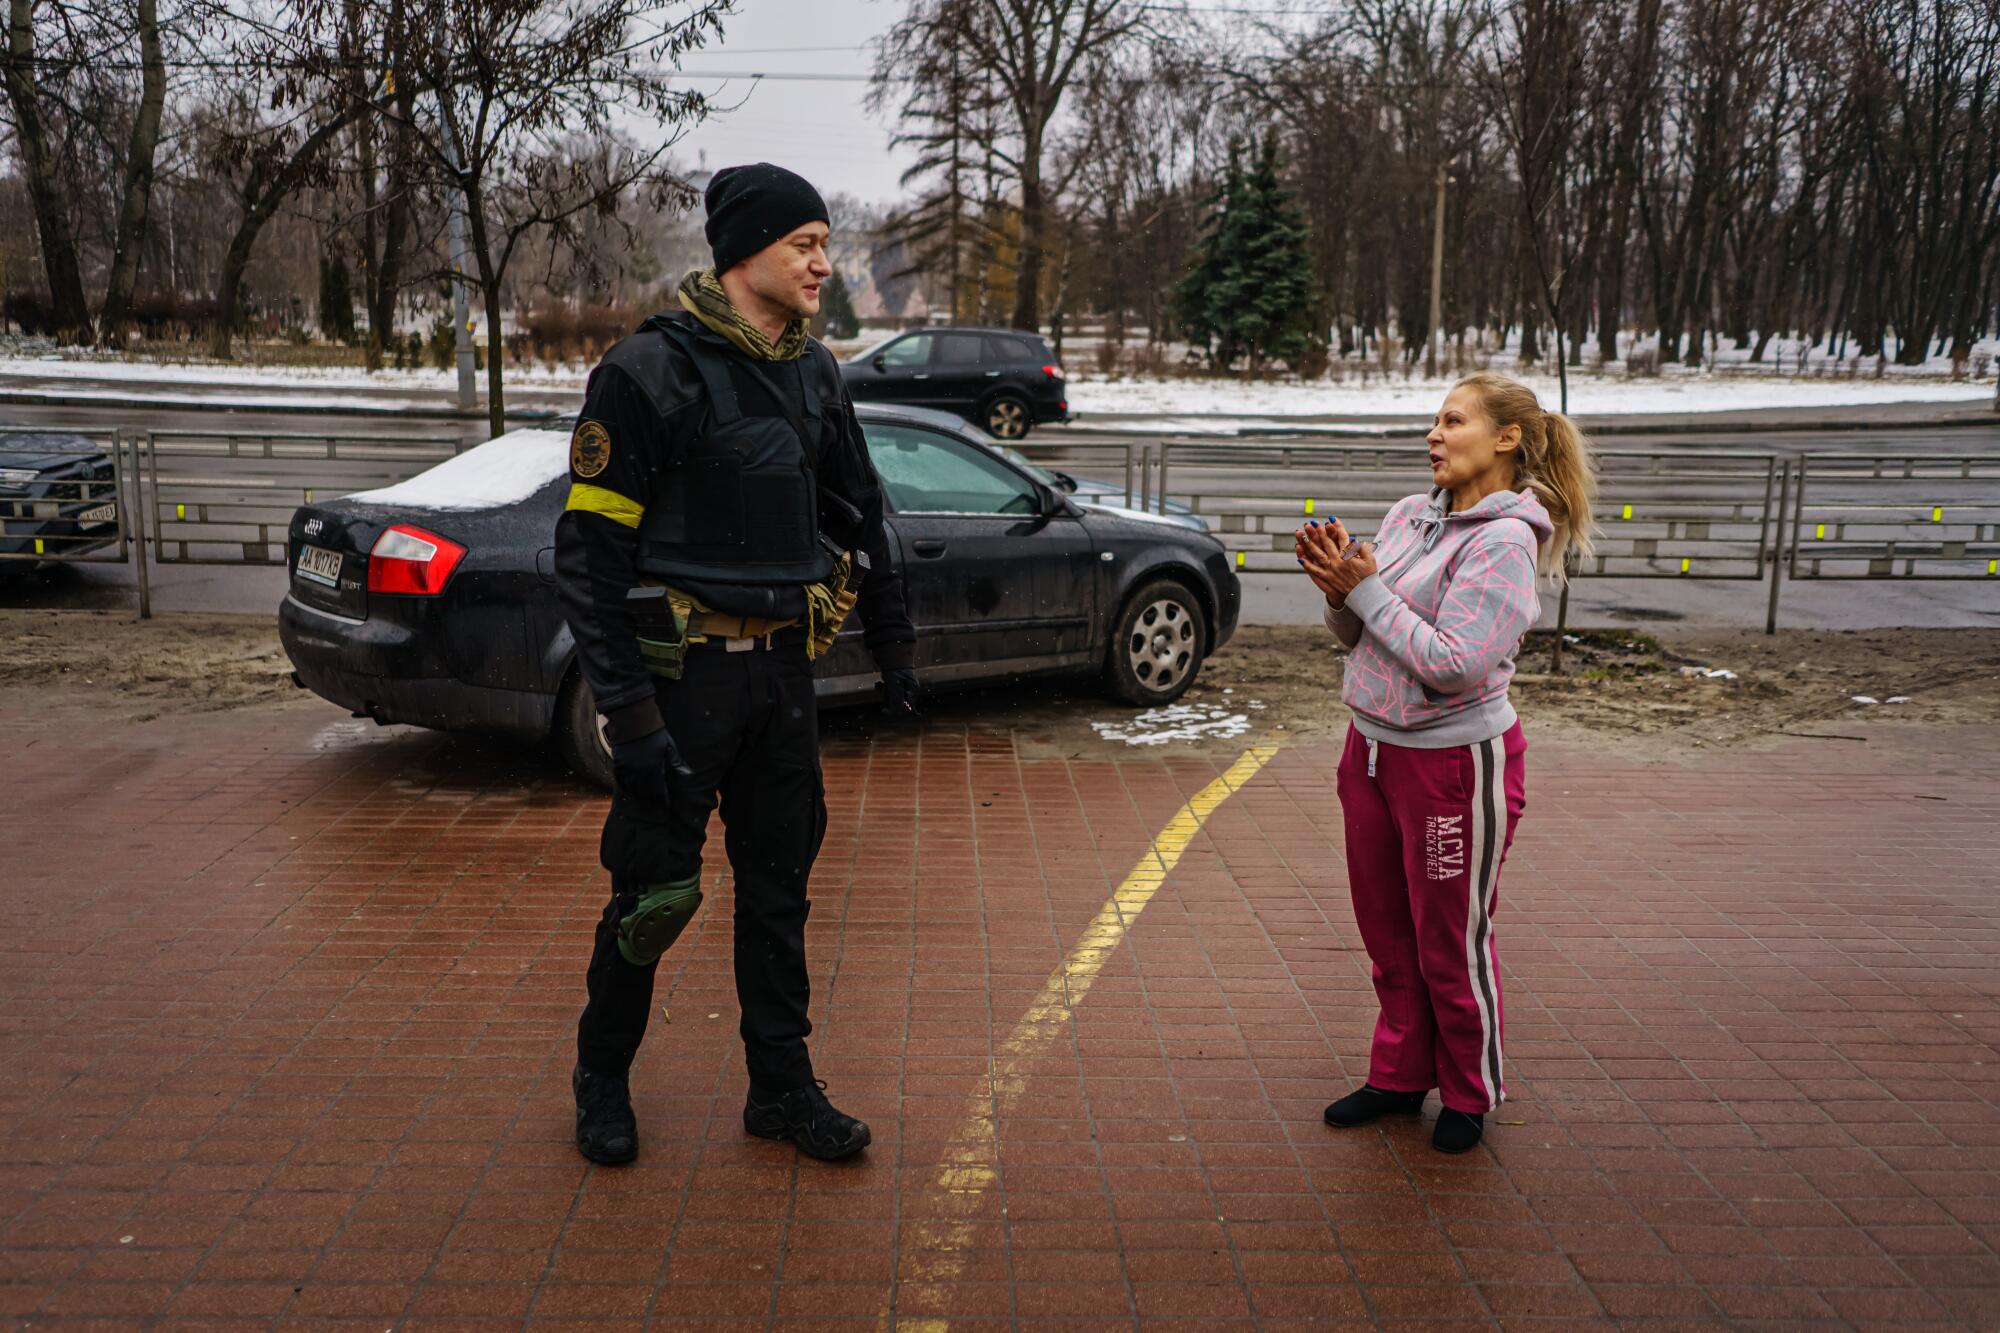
x: 1457, y: 1131
x: 606, y: 1130
x: 807, y: 1118
x: 1365, y: 1105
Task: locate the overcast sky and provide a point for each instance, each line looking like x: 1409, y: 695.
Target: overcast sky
x: 817, y: 127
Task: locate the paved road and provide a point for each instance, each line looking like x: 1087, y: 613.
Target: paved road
x: 1278, y: 596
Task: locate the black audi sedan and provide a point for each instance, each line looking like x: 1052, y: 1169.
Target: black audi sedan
x: 432, y: 602
x: 1002, y: 379
x: 58, y: 497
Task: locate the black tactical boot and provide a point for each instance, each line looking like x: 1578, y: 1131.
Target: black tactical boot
x: 1365, y: 1105
x: 606, y: 1130
x: 1457, y: 1131
x: 807, y: 1118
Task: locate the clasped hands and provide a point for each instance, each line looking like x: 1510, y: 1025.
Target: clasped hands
x: 1332, y: 559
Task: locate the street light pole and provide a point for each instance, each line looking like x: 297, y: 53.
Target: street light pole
x: 468, y: 380
x: 1436, y: 357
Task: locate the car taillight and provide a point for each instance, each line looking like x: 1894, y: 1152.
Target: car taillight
x: 1053, y: 372
x: 409, y: 560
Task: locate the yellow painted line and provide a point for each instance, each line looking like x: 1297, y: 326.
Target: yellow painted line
x: 969, y: 1166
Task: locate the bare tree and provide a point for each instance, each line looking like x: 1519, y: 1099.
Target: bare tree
x: 1536, y: 87
x: 1031, y: 50
x: 946, y: 107
x: 65, y: 75
x: 517, y: 89
x: 27, y: 96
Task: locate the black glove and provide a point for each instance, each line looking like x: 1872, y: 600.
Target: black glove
x: 639, y: 766
x: 901, y: 694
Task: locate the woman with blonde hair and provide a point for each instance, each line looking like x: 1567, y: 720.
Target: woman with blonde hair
x: 1432, y: 781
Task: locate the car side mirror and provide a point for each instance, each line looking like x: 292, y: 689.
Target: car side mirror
x: 882, y: 364
x: 1047, y: 502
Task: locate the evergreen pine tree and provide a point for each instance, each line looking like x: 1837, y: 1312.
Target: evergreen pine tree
x: 836, y: 309
x: 336, y: 301
x: 1195, y: 297
x: 1263, y: 307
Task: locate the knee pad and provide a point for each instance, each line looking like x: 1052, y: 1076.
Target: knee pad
x: 657, y: 920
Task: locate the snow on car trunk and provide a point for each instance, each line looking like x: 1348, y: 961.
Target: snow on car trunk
x: 505, y: 470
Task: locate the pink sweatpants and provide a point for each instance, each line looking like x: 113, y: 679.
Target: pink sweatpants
x: 1427, y: 831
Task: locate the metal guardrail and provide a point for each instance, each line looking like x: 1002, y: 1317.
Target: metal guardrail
x: 243, y: 518
x: 1893, y: 516
x: 74, y: 521
x: 1723, y: 525
x: 1726, y: 523
x: 1901, y: 516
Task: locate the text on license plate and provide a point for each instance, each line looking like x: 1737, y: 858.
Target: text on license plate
x: 320, y: 565
x: 104, y: 513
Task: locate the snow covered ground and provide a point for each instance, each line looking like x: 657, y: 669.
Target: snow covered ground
x: 1588, y: 396
x: 1167, y: 403
x: 199, y: 374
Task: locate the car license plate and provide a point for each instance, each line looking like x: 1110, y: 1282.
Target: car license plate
x: 319, y: 565
x: 104, y: 513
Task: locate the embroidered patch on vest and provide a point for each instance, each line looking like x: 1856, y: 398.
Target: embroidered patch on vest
x: 589, y: 449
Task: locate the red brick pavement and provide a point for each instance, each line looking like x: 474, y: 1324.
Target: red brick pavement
x: 287, y: 1010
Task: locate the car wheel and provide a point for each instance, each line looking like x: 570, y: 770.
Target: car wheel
x: 579, y: 732
x: 1157, y: 644
x: 1007, y: 418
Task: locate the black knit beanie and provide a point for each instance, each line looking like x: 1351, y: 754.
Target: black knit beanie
x: 752, y: 207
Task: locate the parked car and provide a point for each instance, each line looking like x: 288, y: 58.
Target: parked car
x: 1002, y: 379
x: 57, y: 497
x: 432, y: 601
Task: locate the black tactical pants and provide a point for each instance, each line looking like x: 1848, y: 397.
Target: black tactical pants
x: 747, y: 725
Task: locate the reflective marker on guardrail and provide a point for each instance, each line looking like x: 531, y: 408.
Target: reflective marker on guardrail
x: 1627, y: 513
x: 1309, y: 506
x: 1240, y: 557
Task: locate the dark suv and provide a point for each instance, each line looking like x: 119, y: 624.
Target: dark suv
x: 1002, y: 379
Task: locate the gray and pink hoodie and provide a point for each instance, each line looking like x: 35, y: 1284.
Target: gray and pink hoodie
x: 1431, y: 636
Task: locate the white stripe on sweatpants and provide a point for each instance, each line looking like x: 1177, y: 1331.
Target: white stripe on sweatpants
x: 1489, y: 832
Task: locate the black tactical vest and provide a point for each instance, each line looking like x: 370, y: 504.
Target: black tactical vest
x: 740, y: 504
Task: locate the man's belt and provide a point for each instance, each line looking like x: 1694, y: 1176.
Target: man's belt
x: 715, y: 625
x: 781, y: 636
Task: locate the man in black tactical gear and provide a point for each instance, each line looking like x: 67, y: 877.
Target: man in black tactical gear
x: 723, y: 518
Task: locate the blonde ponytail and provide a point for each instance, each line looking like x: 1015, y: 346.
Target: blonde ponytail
x: 1553, y: 462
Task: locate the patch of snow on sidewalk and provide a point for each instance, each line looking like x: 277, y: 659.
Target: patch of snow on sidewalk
x: 505, y: 470
x: 1176, y: 722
